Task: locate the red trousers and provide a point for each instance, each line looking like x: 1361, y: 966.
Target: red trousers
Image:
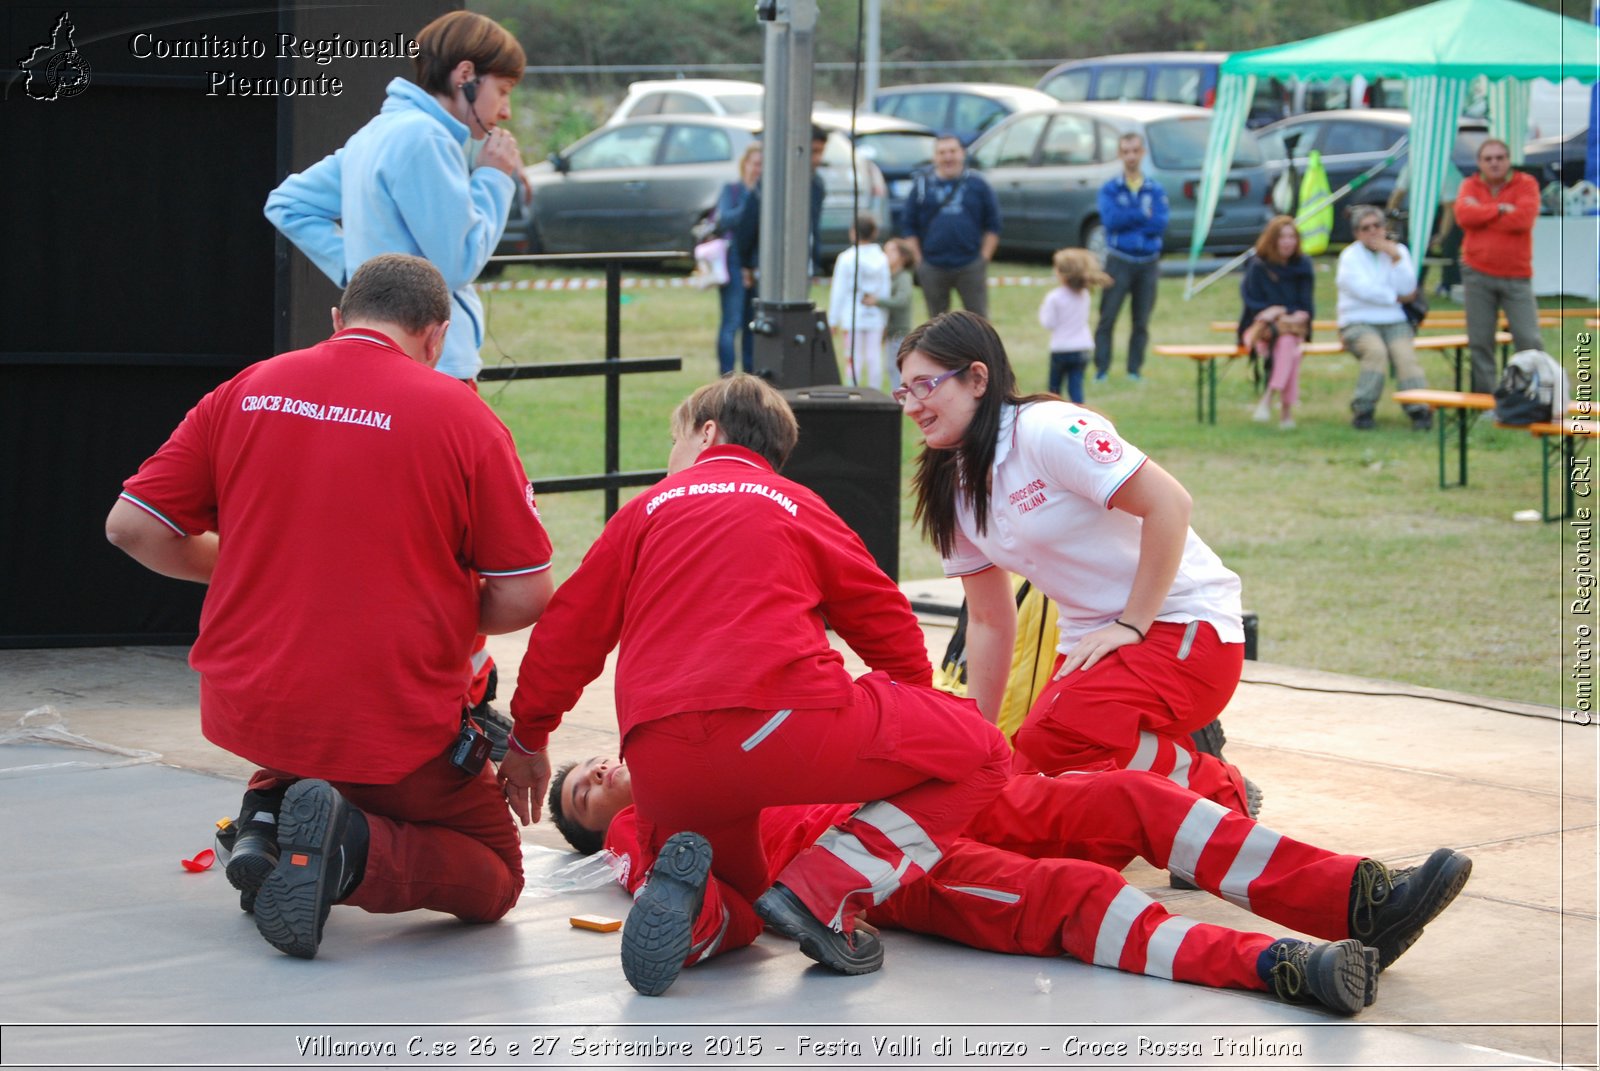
x: 440, y: 840
x: 1136, y: 708
x: 926, y: 759
x: 1037, y: 874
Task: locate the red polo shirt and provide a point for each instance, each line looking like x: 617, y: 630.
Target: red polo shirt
x: 358, y: 495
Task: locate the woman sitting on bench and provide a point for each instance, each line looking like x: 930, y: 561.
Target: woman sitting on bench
x: 1278, y: 307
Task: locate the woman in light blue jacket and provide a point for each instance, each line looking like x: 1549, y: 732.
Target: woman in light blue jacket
x: 403, y: 184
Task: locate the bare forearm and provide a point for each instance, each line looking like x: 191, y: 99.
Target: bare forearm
x: 1163, y: 505
x: 158, y: 548
x: 991, y: 242
x: 991, y: 638
x: 507, y: 604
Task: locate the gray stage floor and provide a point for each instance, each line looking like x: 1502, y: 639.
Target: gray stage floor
x: 115, y: 956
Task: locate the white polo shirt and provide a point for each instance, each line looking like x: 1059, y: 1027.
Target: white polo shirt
x: 1056, y: 466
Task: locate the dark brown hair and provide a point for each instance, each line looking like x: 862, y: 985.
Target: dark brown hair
x: 1267, y: 243
x: 397, y: 288
x: 957, y: 340
x: 465, y: 35
x: 586, y: 840
x: 749, y: 412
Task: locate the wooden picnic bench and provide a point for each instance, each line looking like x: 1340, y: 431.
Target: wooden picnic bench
x: 1561, y: 437
x: 1450, y: 406
x: 1454, y: 407
x: 1205, y: 355
x: 1436, y: 321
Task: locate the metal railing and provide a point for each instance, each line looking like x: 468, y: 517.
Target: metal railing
x: 612, y: 366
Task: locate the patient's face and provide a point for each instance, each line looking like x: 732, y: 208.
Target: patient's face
x: 595, y: 791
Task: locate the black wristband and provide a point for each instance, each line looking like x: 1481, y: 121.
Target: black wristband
x: 1124, y: 624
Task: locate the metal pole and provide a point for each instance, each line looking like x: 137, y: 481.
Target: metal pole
x: 613, y: 378
x: 786, y: 173
x: 874, y: 49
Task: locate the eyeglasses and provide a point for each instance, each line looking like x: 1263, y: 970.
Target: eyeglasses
x: 921, y: 388
x: 1373, y: 226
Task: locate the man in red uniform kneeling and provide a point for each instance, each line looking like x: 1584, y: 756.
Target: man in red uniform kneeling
x: 719, y: 584
x: 342, y: 502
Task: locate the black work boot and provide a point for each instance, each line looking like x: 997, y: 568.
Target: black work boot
x: 857, y: 952
x: 254, y: 851
x: 660, y: 928
x: 1389, y: 908
x: 1342, y: 976
x: 322, y: 842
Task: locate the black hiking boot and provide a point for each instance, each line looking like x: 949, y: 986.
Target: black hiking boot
x: 857, y: 952
x: 660, y: 928
x: 1389, y: 908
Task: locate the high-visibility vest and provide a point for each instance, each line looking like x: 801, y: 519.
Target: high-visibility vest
x: 1317, y: 228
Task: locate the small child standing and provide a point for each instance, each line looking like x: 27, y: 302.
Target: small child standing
x: 1065, y: 311
x: 902, y: 269
x: 860, y: 284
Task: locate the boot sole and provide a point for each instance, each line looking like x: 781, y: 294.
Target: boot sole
x: 1345, y: 976
x: 782, y: 911
x: 293, y: 901
x: 1444, y: 887
x: 660, y: 928
x: 249, y: 867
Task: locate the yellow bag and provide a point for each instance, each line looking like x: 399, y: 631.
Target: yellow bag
x: 1032, y: 658
x: 1316, y: 207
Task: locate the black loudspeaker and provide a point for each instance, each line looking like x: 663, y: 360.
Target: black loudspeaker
x: 140, y: 270
x: 849, y: 453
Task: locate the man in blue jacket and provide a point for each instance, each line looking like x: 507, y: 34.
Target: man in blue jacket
x: 953, y: 222
x: 1133, y: 210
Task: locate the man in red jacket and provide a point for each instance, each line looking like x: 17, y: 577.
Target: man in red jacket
x: 1496, y: 209
x: 719, y: 584
x: 1036, y: 873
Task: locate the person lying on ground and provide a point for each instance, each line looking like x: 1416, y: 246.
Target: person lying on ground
x: 1036, y: 873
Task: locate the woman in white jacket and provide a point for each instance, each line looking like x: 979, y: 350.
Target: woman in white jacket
x: 1376, y: 278
x: 861, y: 273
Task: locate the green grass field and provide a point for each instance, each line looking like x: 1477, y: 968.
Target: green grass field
x: 1352, y: 556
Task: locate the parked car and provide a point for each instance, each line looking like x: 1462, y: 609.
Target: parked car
x: 642, y: 184
x: 690, y: 96
x: 1174, y: 77
x: 1193, y: 77
x: 842, y: 196
x: 1047, y: 168
x: 965, y: 109
x: 1557, y: 159
x: 897, y: 146
x: 1351, y: 142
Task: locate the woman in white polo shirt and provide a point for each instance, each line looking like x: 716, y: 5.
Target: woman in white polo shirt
x: 1151, y: 637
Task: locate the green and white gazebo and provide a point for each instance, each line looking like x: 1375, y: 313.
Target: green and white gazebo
x: 1438, y: 49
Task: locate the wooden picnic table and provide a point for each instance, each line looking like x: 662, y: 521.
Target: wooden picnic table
x: 1205, y: 356
x: 1561, y: 437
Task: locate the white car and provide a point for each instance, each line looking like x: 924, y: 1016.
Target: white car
x: 690, y: 96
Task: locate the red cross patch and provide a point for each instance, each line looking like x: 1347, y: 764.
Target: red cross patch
x: 1103, y: 446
